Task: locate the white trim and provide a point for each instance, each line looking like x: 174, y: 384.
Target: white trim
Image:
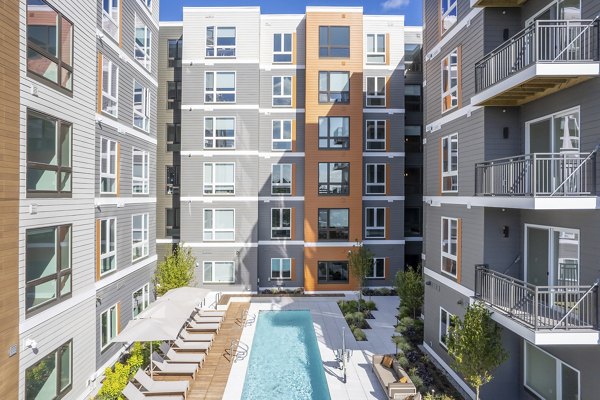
x: 208, y: 10
x: 375, y: 52
x: 456, y: 29
x: 218, y: 153
x: 376, y: 211
x: 283, y: 52
x: 231, y: 106
x: 350, y: 244
x: 219, y: 245
x: 109, y: 253
x: 282, y: 198
x: 108, y: 174
x: 144, y: 245
x: 170, y: 24
x: 376, y: 96
x: 146, y: 62
x: 215, y: 46
x: 281, y: 110
x: 110, y: 339
x: 379, y: 67
x: 389, y: 199
x: 167, y: 241
x: 278, y: 278
x: 144, y: 293
x: 123, y: 201
x: 384, y: 154
x: 443, y: 15
x: 213, y: 179
x: 214, y: 230
x: 376, y: 183
x: 215, y: 92
x: 281, y: 154
x: 281, y: 226
x: 333, y: 9
x: 282, y: 123
x: 148, y: 13
x: 214, y: 138
x: 449, y: 173
x: 457, y: 287
x: 524, y: 203
x: 450, y: 371
x: 375, y: 269
x: 68, y: 305
x: 279, y: 184
x: 448, y: 254
x: 124, y: 129
x: 451, y: 116
x: 376, y: 123
x: 381, y: 110
x: 448, y: 317
x: 218, y: 199
x: 124, y: 272
x: 144, y: 181
x: 233, y: 264
x: 550, y: 118
x: 452, y: 90
x: 284, y: 243
x: 211, y: 61
x: 282, y: 65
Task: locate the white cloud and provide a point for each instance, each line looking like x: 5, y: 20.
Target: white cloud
x: 392, y: 4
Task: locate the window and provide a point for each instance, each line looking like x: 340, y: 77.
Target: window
x: 49, y: 44
x: 172, y: 221
x: 450, y: 81
x: 141, y: 107
x: 47, y: 266
x: 281, y: 268
x: 282, y: 135
x: 334, y: 132
x: 219, y: 225
x: 376, y: 179
x: 52, y: 376
x: 219, y: 272
x: 173, y: 95
x: 108, y: 166
x: 333, y: 271
x: 375, y: 223
x: 281, y: 223
x: 412, y: 98
x: 446, y: 323
x: 110, y: 87
x: 109, y: 321
x: 111, y: 18
x: 376, y: 91
x: 172, y: 177
x: 377, y: 269
x: 548, y: 377
x: 49, y: 167
x: 220, y: 41
x: 334, y: 178
x: 220, y: 87
x: 173, y: 137
x: 281, y: 179
x: 108, y: 246
x: 334, y: 87
x: 140, y: 242
x: 143, y: 44
x: 140, y: 299
x: 413, y: 57
x: 449, y: 246
x: 148, y: 4
x: 334, y: 41
x: 282, y: 48
x: 140, y: 179
x: 413, y: 225
x: 450, y: 163
x: 219, y: 178
x: 376, y: 48
x: 175, y: 49
x: 219, y: 133
x: 412, y: 139
x: 448, y: 15
x: 334, y: 224
x: 375, y: 135
x: 282, y: 91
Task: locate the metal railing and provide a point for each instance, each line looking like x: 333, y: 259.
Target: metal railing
x: 543, y: 41
x: 539, y: 307
x: 538, y: 175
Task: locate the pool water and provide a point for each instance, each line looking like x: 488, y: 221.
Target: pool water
x: 285, y: 363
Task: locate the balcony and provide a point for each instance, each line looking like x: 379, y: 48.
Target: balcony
x: 542, y: 59
x: 565, y: 314
x: 497, y: 3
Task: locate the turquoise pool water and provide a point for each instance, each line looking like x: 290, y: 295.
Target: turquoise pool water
x: 285, y: 363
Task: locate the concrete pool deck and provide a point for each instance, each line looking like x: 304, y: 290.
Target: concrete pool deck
x: 328, y: 322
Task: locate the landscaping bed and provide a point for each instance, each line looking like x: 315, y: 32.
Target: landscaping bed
x: 379, y: 292
x: 357, y: 320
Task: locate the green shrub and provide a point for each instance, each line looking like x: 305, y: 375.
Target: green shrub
x: 402, y: 344
x: 114, y: 382
x: 404, y: 312
x: 431, y: 396
x: 356, y: 319
x: 417, y: 381
x: 370, y: 305
x: 176, y: 270
x: 385, y: 292
x: 403, y: 361
x: 359, y: 335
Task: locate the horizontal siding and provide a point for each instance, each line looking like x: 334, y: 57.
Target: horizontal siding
x: 270, y: 26
x: 245, y: 260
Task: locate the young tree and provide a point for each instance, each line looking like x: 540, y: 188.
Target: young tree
x: 409, y: 285
x: 360, y: 261
x: 177, y: 270
x: 476, y: 346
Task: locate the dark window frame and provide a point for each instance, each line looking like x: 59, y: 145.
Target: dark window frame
x: 174, y: 229
x: 327, y: 265
x: 174, y: 61
x: 372, y: 273
x: 278, y: 232
x: 172, y: 187
x: 57, y: 353
x: 174, y: 103
x: 344, y: 97
x: 375, y: 140
x: 325, y: 234
x: 344, y: 140
x: 327, y: 184
x: 173, y: 144
x: 328, y: 47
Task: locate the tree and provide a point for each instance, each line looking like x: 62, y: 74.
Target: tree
x: 177, y: 270
x: 409, y: 285
x: 360, y: 261
x: 475, y: 345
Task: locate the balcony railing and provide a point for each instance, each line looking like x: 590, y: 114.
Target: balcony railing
x: 573, y: 41
x: 538, y: 175
x: 538, y: 307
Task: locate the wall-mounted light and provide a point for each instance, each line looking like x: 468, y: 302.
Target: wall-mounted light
x: 428, y: 283
x: 505, y: 231
x: 460, y: 302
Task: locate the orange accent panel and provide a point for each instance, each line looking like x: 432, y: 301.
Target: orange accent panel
x: 294, y: 146
x: 118, y: 169
x: 293, y: 272
x: 294, y: 90
x: 459, y: 250
x: 99, y: 83
x: 387, y: 49
x: 294, y: 48
x: 388, y: 268
x: 98, y: 235
x: 312, y: 255
x: 118, y: 317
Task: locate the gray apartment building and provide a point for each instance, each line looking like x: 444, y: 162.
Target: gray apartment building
x: 510, y: 207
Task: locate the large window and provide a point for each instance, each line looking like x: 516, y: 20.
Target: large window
x: 281, y: 223
x: 450, y: 81
x: 448, y: 14
x: 219, y: 132
x: 140, y: 300
x: 108, y: 245
x: 111, y: 18
x: 375, y: 223
x: 375, y: 91
x: 172, y: 219
x: 281, y: 179
x: 282, y: 48
x: 282, y: 134
x: 173, y: 137
x: 108, y: 166
x: 52, y: 376
x: 334, y: 224
x: 377, y: 269
x: 333, y: 271
x: 412, y: 98
x: 140, y: 240
x: 110, y: 87
x: 173, y: 95
x: 334, y: 87
x: 282, y: 91
x: 49, y: 167
x: 334, y: 132
x: 47, y: 266
x: 281, y: 268
x: 450, y: 163
x: 175, y: 50
x: 141, y: 106
x: 449, y: 246
x: 220, y: 41
x: 334, y: 178
x: 219, y: 272
x: 446, y: 323
x: 375, y: 182
x: 548, y: 377
x: 375, y: 135
x: 143, y: 43
x: 49, y: 44
x: 220, y: 87
x: 376, y: 48
x: 140, y: 174
x: 109, y: 321
x: 334, y: 41
x: 219, y: 224
x: 219, y: 178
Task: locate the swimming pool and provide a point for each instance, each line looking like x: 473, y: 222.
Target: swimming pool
x: 285, y: 362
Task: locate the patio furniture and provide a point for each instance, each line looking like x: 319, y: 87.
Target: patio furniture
x: 182, y: 345
x: 201, y: 327
x: 206, y: 320
x: 212, y: 313
x: 152, y: 387
x: 173, y: 357
x: 196, y: 337
x: 163, y: 367
x: 133, y: 393
x: 394, y: 380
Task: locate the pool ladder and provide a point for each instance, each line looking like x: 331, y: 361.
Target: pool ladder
x: 247, y: 318
x: 237, y: 350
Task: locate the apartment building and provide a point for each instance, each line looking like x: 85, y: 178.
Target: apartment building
x: 283, y: 140
x: 510, y: 193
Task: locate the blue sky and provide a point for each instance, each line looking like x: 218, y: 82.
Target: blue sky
x: 170, y: 10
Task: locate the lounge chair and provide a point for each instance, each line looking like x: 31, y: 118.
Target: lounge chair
x: 196, y: 337
x: 206, y: 320
x: 182, y: 345
x: 162, y: 367
x: 201, y: 327
x: 172, y: 356
x: 133, y: 393
x: 212, y: 313
x: 152, y: 387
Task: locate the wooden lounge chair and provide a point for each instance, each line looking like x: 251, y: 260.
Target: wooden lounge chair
x: 172, y: 356
x: 152, y: 387
x: 212, y: 313
x: 206, y: 320
x: 162, y: 367
x: 133, y: 393
x: 196, y: 337
x: 201, y: 327
x: 182, y: 345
